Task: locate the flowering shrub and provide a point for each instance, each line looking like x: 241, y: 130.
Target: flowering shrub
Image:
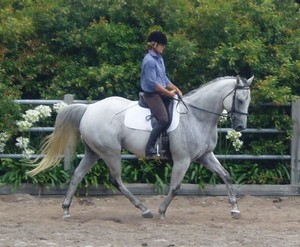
x: 30, y: 118
x: 23, y: 144
x: 232, y: 135
x: 223, y: 118
x: 33, y: 116
x: 59, y: 106
x: 3, y: 139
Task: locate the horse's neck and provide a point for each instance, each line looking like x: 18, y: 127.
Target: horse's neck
x: 209, y: 101
x: 210, y: 97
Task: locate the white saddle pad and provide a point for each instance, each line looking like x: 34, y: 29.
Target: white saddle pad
x: 137, y: 117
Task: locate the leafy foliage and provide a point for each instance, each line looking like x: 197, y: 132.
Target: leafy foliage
x: 13, y: 173
x: 93, y: 49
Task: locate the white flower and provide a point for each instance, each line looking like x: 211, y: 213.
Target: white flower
x: 59, y: 106
x: 2, y: 146
x: 3, y: 139
x: 223, y: 118
x: 237, y: 144
x: 233, y: 135
x: 22, y: 142
x: 27, y: 153
x: 44, y: 111
x: 24, y: 125
x: 31, y: 116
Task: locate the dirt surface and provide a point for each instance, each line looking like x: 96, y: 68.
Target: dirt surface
x: 112, y: 221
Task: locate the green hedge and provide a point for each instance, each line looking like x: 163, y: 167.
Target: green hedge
x: 93, y: 49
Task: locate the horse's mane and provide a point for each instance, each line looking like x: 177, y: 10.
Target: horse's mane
x: 209, y: 83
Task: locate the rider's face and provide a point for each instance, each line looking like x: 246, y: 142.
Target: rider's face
x: 160, y: 48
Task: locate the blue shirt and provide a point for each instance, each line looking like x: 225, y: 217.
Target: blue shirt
x: 153, y: 72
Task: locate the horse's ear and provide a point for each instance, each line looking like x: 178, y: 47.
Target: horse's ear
x: 249, y: 81
x: 238, y: 80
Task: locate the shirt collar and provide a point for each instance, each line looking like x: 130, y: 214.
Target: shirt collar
x: 154, y: 54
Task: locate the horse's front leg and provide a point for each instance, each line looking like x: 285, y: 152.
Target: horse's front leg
x: 178, y: 172
x: 211, y: 162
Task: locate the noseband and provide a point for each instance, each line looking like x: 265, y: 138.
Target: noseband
x: 233, y: 110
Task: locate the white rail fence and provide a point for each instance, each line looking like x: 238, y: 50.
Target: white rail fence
x: 294, y: 157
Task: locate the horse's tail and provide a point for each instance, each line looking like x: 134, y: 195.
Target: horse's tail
x: 65, y: 134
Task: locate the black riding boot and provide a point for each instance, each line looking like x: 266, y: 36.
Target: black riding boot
x: 156, y: 131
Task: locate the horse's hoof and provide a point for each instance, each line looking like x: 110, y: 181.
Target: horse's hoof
x: 66, y: 214
x: 162, y: 217
x: 235, y: 214
x: 147, y: 214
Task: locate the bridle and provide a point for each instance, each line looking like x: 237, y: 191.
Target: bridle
x: 230, y: 113
x: 233, y: 110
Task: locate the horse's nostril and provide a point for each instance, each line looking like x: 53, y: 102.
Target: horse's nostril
x: 239, y: 128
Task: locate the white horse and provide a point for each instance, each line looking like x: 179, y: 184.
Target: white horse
x: 102, y: 129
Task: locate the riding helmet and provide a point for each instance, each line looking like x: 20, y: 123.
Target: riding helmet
x: 158, y: 37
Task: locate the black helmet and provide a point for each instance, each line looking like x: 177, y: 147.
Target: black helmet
x: 158, y: 37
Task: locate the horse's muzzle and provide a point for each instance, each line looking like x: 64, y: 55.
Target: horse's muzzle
x: 239, y: 128
x: 239, y: 124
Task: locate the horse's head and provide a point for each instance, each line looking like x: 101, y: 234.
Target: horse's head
x: 239, y: 103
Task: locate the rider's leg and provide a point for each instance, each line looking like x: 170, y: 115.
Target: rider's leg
x: 159, y: 110
x: 155, y: 133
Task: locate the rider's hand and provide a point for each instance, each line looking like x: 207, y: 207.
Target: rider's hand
x: 172, y: 93
x: 179, y: 92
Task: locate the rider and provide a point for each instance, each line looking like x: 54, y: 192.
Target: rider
x: 156, y: 85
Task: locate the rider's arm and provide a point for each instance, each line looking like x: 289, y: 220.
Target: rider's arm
x: 173, y: 87
x: 160, y: 89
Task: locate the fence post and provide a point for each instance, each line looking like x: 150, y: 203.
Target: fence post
x: 68, y: 99
x: 295, y: 148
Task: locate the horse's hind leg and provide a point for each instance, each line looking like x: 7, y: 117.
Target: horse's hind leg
x: 178, y: 172
x: 211, y: 162
x: 114, y: 165
x: 87, y: 162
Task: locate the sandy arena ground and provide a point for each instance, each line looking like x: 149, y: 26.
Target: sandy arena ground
x: 112, y: 221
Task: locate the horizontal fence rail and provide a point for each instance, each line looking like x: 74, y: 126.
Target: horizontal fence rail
x: 220, y: 130
x: 224, y: 157
x: 134, y: 157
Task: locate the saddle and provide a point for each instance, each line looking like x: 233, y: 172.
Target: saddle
x: 138, y: 117
x: 169, y: 106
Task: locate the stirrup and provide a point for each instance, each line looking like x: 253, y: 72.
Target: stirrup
x: 153, y: 152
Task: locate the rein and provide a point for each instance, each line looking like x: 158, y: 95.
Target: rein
x: 196, y: 107
x: 231, y: 112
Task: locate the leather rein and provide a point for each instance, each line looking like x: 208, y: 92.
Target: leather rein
x: 231, y: 112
